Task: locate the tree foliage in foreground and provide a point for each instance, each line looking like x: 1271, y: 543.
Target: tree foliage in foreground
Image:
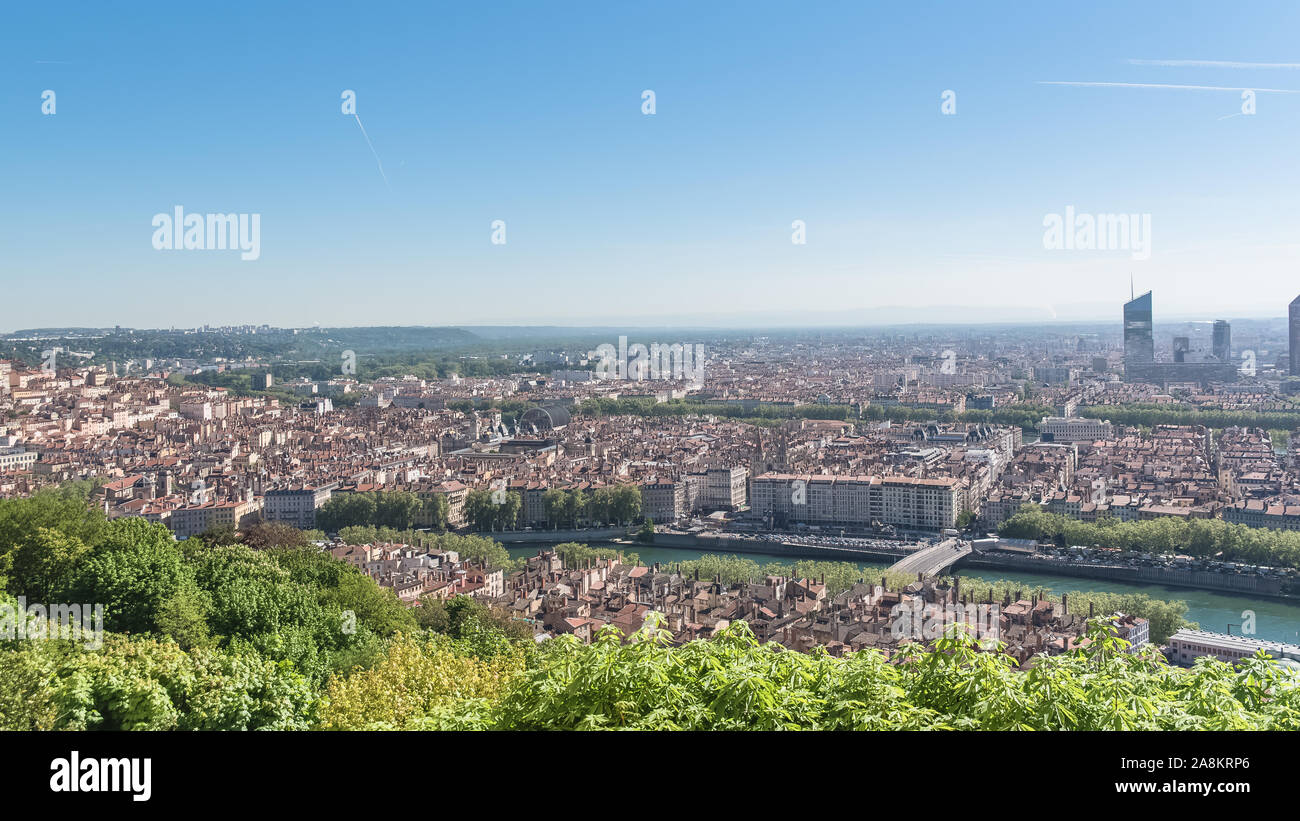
x: 423, y: 683
x: 483, y: 680
x: 135, y: 683
x: 735, y: 683
x: 732, y: 682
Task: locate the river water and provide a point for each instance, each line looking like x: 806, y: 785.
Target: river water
x: 1274, y: 620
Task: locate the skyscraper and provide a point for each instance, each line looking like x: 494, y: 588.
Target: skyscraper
x: 1139, y: 344
x: 1294, y: 316
x: 1221, y: 346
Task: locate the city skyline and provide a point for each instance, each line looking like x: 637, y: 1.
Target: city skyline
x: 899, y: 316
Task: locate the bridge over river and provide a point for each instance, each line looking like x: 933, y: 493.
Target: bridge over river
x: 934, y: 560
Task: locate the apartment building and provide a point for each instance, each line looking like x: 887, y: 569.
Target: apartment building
x: 533, y: 513
x: 191, y: 520
x: 455, y: 493
x: 296, y: 506
x: 198, y: 410
x: 663, y: 500
x: 1003, y: 504
x: 1066, y: 430
x: 858, y: 501
x: 928, y: 504
x: 16, y: 459
x: 1133, y: 629
x: 1260, y: 513
x: 726, y: 488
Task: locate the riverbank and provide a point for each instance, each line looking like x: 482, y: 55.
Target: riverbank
x: 557, y: 536
x: 1232, y: 584
x: 1275, y: 620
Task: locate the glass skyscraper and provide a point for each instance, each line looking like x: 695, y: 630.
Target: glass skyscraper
x: 1221, y: 346
x: 1139, y: 343
x: 1294, y: 341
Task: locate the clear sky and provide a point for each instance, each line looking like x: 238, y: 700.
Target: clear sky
x: 531, y: 113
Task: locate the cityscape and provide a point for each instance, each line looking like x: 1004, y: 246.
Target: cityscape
x: 867, y: 453
x: 663, y: 369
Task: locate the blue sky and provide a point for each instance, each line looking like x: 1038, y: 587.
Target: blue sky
x: 531, y: 113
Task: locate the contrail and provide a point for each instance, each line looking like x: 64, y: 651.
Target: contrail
x: 373, y: 151
x: 1210, y: 64
x: 1168, y: 85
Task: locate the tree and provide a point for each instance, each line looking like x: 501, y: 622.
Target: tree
x: 554, y: 503
x: 575, y: 502
x: 219, y: 535
x: 734, y: 682
x: 576, y: 554
x: 265, y: 535
x: 419, y: 684
x: 183, y: 617
x: 1196, y: 537
x: 479, y: 510
x: 625, y: 503
x: 36, y: 561
x: 136, y: 566
x: 378, y: 608
x: 359, y: 534
x: 437, y: 510
x: 600, y: 508
x: 475, y: 549
x: 647, y: 531
x: 43, y: 565
x: 507, y: 512
x: 137, y: 683
x: 431, y: 613
x: 346, y: 509
x: 397, y: 509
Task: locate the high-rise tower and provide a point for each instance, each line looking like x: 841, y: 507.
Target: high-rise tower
x: 1221, y: 344
x: 1294, y: 317
x: 1139, y: 343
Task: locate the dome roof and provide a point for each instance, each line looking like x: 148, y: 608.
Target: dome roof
x: 546, y: 417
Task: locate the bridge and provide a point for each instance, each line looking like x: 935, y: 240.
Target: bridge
x: 932, y: 561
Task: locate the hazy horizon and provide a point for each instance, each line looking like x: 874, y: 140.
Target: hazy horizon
x: 747, y: 321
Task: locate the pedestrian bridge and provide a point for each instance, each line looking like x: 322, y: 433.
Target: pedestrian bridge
x: 933, y: 561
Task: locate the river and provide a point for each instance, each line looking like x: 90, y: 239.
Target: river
x: 1274, y: 620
